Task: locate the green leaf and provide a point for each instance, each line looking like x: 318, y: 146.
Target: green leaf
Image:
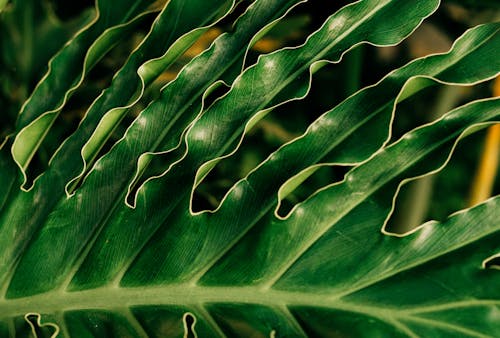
x: 296, y: 291
x: 89, y: 264
x: 145, y: 134
x: 65, y: 163
x: 350, y: 120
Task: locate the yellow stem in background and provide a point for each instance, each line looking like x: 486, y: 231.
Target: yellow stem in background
x: 482, y: 186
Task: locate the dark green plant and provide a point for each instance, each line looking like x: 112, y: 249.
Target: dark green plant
x: 104, y: 241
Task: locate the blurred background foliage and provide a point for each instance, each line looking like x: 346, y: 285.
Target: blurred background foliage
x: 31, y: 31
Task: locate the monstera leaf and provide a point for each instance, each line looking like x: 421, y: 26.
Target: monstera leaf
x: 107, y: 243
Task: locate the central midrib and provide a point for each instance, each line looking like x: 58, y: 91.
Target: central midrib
x: 111, y: 298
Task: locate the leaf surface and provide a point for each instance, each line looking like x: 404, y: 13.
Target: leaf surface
x: 90, y: 264
x: 296, y: 291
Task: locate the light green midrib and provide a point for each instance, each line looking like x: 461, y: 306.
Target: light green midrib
x: 112, y: 298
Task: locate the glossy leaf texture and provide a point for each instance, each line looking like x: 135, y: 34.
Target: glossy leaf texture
x: 107, y: 245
